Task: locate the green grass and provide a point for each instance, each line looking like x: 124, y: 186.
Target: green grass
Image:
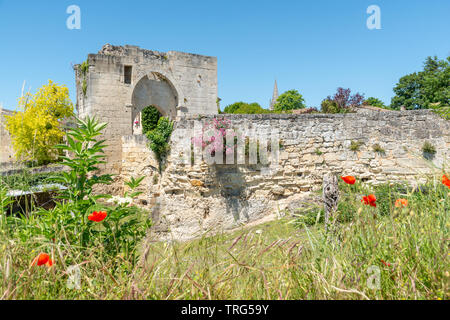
x: 26, y: 180
x: 283, y: 259
x: 428, y: 148
x: 378, y: 149
x: 355, y: 145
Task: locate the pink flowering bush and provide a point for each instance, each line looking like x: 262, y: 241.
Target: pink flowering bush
x: 213, y: 137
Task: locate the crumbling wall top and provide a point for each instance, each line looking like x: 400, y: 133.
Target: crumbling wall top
x: 129, y: 50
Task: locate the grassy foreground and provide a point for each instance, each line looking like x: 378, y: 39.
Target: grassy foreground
x: 382, y: 253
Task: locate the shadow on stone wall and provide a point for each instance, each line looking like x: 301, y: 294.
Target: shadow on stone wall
x: 230, y: 183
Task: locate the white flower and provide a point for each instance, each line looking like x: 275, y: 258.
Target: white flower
x: 119, y: 200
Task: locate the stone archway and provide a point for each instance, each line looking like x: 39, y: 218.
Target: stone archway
x: 156, y: 90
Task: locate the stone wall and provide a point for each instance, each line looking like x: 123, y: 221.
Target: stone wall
x: 6, y: 150
x: 175, y: 82
x: 189, y: 200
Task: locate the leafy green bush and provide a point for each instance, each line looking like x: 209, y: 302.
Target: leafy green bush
x: 428, y: 149
x: 355, y: 145
x: 245, y: 108
x: 253, y: 108
x: 159, y: 138
x: 378, y: 149
x: 82, y: 220
x: 84, y: 67
x: 443, y: 111
x: 150, y: 118
x: 329, y: 106
x: 88, y: 154
x: 84, y: 87
x: 232, y: 108
x: 126, y: 224
x: 374, y: 102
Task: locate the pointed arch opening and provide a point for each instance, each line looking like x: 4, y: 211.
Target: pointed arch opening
x: 153, y: 90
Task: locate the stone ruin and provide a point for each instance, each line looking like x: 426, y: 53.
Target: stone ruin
x: 118, y: 82
x: 6, y: 150
x: 187, y: 200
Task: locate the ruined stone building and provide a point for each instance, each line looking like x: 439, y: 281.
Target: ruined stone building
x: 192, y: 199
x: 6, y: 150
x: 187, y: 199
x: 117, y: 83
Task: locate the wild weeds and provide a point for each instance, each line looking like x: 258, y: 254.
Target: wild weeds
x: 387, y: 249
x: 406, y: 247
x: 81, y: 230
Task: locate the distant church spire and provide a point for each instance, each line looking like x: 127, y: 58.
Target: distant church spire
x: 274, y: 96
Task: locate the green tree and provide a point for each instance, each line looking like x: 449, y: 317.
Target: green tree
x: 436, y: 83
x: 252, y: 108
x: 371, y: 101
x: 408, y: 92
x: 290, y: 100
x: 37, y: 126
x: 245, y: 108
x: 233, y: 107
x: 424, y: 89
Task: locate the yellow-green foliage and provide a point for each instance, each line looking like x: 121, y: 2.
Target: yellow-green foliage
x: 36, y: 127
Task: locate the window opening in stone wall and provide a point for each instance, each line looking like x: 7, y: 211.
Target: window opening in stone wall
x: 127, y: 74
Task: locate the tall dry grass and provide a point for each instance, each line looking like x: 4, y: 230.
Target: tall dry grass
x: 277, y: 260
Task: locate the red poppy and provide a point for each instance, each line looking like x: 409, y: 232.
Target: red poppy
x: 42, y: 259
x: 446, y: 181
x: 97, y: 216
x: 49, y: 262
x: 370, y: 200
x: 385, y: 263
x: 349, y: 179
x: 401, y: 203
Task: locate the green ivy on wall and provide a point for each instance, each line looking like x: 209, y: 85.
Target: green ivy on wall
x: 84, y: 68
x: 150, y: 118
x: 159, y: 139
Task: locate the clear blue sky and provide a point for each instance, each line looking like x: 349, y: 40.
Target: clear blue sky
x: 312, y: 46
